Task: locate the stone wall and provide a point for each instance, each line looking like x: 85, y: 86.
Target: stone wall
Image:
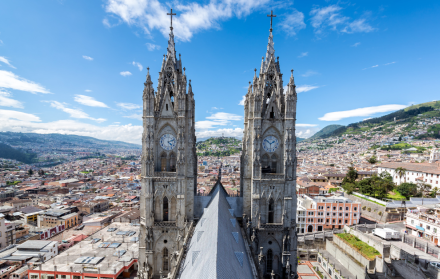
x: 383, y: 248
x: 353, y: 266
x: 399, y: 254
x: 374, y: 211
x: 371, y: 264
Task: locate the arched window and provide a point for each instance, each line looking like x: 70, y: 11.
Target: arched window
x: 165, y: 209
x: 272, y: 113
x: 172, y: 99
x: 270, y: 211
x: 172, y: 162
x: 269, y: 261
x: 165, y: 260
x: 163, y: 162
x: 273, y: 164
x: 265, y: 165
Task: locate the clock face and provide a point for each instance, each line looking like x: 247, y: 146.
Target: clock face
x: 167, y: 141
x: 270, y: 144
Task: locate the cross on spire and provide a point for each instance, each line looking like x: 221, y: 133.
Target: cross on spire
x: 171, y: 14
x: 271, y: 17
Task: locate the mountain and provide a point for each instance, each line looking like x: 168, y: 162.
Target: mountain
x: 325, y: 131
x: 409, y: 115
x: 221, y: 146
x: 8, y: 152
x: 73, y: 141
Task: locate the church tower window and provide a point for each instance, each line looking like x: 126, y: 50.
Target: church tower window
x: 273, y: 165
x: 265, y: 164
x: 165, y: 259
x: 165, y: 209
x: 172, y: 162
x: 270, y: 216
x: 269, y: 262
x: 163, y: 162
x: 272, y: 114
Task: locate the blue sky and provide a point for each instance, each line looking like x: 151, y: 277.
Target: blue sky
x: 78, y: 67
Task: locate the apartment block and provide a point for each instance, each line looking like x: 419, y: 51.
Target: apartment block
x: 319, y: 213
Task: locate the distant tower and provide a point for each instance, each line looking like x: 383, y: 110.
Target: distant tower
x: 169, y: 165
x: 268, y: 167
x: 435, y: 155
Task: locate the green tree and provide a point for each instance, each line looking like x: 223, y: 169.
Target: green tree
x: 349, y: 187
x: 372, y: 160
x: 351, y: 176
x: 401, y: 172
x: 407, y: 189
x: 331, y: 190
x: 30, y: 172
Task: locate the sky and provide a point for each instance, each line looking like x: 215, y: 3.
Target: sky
x: 78, y: 67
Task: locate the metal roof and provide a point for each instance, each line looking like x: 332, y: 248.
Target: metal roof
x: 217, y: 248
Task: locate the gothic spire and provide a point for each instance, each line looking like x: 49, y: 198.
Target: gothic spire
x: 171, y: 50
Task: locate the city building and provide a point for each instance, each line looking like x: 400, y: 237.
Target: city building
x: 319, y: 213
x: 111, y: 252
x: 424, y: 222
x: 428, y: 173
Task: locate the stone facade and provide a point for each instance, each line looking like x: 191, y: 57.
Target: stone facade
x: 169, y: 166
x: 268, y: 167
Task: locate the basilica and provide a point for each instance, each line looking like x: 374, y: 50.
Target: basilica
x: 186, y: 235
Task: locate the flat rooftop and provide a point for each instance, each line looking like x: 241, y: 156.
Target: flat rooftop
x: 102, y: 252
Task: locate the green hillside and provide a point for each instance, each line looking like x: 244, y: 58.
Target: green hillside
x: 325, y: 131
x: 7, y: 152
x: 409, y: 115
x: 17, y: 139
x: 222, y: 146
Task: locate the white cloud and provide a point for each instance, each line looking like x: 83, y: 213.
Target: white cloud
x: 356, y: 44
x: 6, y: 61
x: 367, y: 111
x: 134, y: 116
x: 227, y: 132
x: 74, y: 113
x: 128, y: 106
x: 15, y: 121
x: 374, y: 66
x: 306, y: 132
x: 358, y: 26
x: 217, y: 119
x: 303, y: 54
x: 137, y: 64
x: 241, y: 103
x: 6, y: 115
x: 152, y: 47
x: 309, y: 73
x: 88, y: 90
x: 87, y: 57
x: 305, y: 125
x: 126, y: 73
x: 305, y: 88
x: 89, y: 101
x: 331, y: 17
x: 293, y: 22
x: 389, y: 63
x: 191, y: 17
x: 12, y: 81
x: 8, y: 102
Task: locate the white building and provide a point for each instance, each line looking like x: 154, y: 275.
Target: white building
x: 42, y: 249
x: 423, y: 222
x: 426, y: 172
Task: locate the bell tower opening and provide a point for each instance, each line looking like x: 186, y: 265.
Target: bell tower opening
x: 165, y: 209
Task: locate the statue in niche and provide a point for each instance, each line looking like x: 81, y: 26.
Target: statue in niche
x: 149, y: 238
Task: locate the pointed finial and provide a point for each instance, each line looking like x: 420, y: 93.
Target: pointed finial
x: 278, y: 58
x: 184, y: 69
x: 148, y: 70
x: 292, y: 72
x: 249, y: 83
x: 271, y: 17
x: 171, y: 14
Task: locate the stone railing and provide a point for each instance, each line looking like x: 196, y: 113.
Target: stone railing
x: 164, y: 174
x: 165, y: 224
x: 271, y: 226
x: 272, y: 176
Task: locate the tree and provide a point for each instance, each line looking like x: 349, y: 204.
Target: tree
x: 372, y: 160
x: 349, y: 187
x: 401, y: 172
x: 331, y: 190
x: 423, y: 187
x: 30, y: 172
x: 407, y: 189
x: 41, y: 172
x: 351, y: 176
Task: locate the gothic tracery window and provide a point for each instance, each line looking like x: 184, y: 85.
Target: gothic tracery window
x: 163, y: 162
x: 273, y: 163
x: 165, y: 260
x: 269, y: 266
x: 172, y: 162
x: 165, y: 209
x: 270, y: 215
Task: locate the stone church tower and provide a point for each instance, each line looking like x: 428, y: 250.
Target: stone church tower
x: 268, y: 167
x: 169, y: 166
